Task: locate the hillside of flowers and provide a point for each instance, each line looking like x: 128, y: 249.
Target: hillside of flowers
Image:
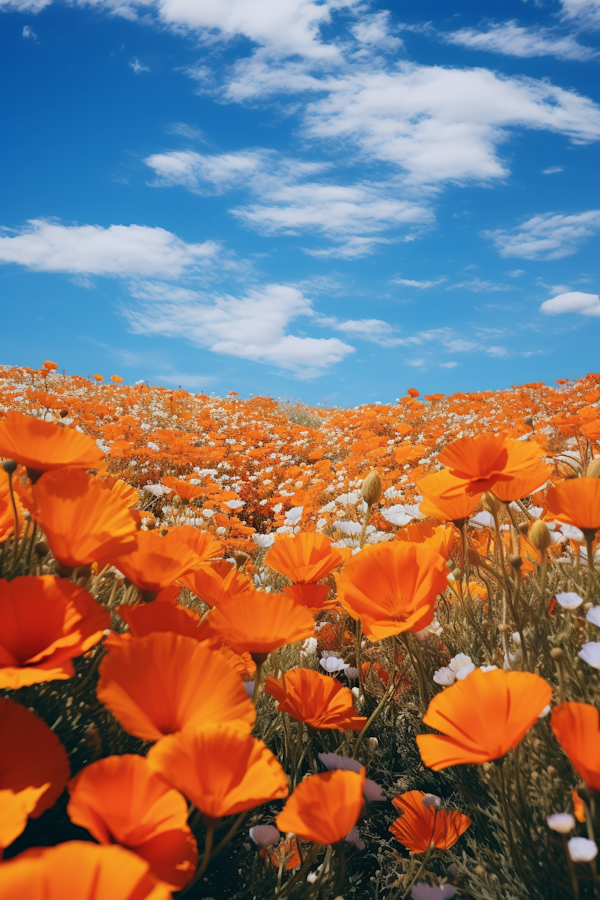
x: 255, y: 650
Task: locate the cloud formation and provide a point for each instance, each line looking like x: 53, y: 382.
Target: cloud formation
x: 572, y: 302
x: 547, y: 236
x: 512, y: 39
x: 125, y: 250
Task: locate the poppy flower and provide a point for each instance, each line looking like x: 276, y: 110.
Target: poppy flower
x: 83, y: 521
x: 220, y: 769
x: 576, y: 727
x: 312, y: 596
x: 147, y: 618
x: 258, y: 623
x: 324, y: 808
x: 34, y: 769
x: 420, y: 825
x: 121, y: 800
x: 216, y: 582
x: 453, y: 508
x: 304, y: 558
x: 157, y: 561
x: 576, y: 502
x: 46, y: 622
x: 313, y: 698
x: 484, y: 460
x: 482, y: 717
x: 201, y: 542
x: 7, y: 513
x: 164, y: 682
x: 41, y: 446
x: 523, y: 483
x: 79, y: 870
x: 392, y: 587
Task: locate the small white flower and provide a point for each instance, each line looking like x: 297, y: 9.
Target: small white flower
x: 293, y: 515
x: 516, y: 637
x: 373, y: 792
x: 263, y: 540
x: 249, y: 685
x: 208, y: 513
x: 311, y: 877
x: 235, y: 504
x: 590, y: 653
x: 333, y: 664
x: 483, y: 518
x: 353, y: 837
x: 574, y: 534
x: 434, y: 629
x: 422, y: 891
x: 462, y: 665
x: 582, y: 849
x: 335, y: 761
x: 264, y: 835
x: 432, y: 800
x: 561, y: 822
x: 444, y: 676
x: 569, y: 600
x: 309, y: 646
x: 351, y: 673
x: 593, y: 615
x: 544, y: 712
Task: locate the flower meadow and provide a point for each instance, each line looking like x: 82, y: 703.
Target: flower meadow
x: 253, y: 650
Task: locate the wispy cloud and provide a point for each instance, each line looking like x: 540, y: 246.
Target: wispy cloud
x: 421, y: 285
x: 480, y: 286
x: 137, y: 67
x: 512, y: 39
x: 547, y: 236
x: 28, y: 32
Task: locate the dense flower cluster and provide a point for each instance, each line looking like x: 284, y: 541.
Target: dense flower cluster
x: 235, y: 635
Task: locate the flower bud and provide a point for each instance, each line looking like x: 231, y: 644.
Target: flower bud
x: 490, y: 503
x: 9, y: 466
x: 457, y: 574
x: 593, y: 470
x: 557, y: 654
x: 515, y: 560
x: 528, y: 420
x: 372, y: 488
x: 539, y: 535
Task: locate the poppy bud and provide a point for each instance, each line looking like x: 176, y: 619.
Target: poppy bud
x: 457, y: 574
x: 240, y: 558
x: 479, y: 870
x: 557, y: 654
x: 372, y: 488
x: 551, y: 771
x: 515, y: 561
x: 64, y: 413
x: 528, y: 420
x: 523, y: 527
x: 490, y: 503
x: 593, y: 470
x: 539, y: 535
x: 9, y: 466
x: 42, y: 549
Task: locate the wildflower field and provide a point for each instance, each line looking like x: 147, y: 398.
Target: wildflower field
x: 253, y: 650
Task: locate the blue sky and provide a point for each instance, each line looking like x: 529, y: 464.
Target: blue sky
x: 330, y: 201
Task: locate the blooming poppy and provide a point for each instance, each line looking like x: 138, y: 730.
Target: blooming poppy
x: 157, y: 561
x: 313, y: 596
x: 576, y: 502
x: 201, y: 542
x: 34, y: 769
x: 41, y: 446
x: 220, y: 769
x: 79, y: 870
x: 215, y: 582
x: 313, y: 698
x: 163, y: 682
x: 453, y: 508
x: 83, y: 521
x: 7, y: 511
x: 484, y: 460
x: 392, y: 587
x: 147, y: 618
x: 420, y: 825
x: 523, y: 483
x: 304, y: 558
x: 258, y: 623
x: 482, y: 717
x: 324, y: 808
x: 576, y: 727
x: 46, y: 622
x: 121, y: 800
x: 285, y: 853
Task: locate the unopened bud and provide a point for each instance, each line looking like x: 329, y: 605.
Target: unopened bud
x: 64, y: 413
x: 539, y: 535
x: 551, y: 771
x: 372, y: 488
x: 503, y: 628
x: 479, y: 870
x: 9, y: 466
x: 528, y: 420
x: 240, y: 558
x: 474, y: 557
x: 593, y: 470
x: 557, y: 654
x: 42, y: 549
x: 523, y: 527
x: 515, y: 561
x: 457, y: 574
x: 490, y: 503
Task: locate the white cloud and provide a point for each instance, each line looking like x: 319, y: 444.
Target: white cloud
x: 28, y: 32
x: 512, y: 39
x: 572, y: 302
x: 547, y: 236
x: 422, y: 285
x: 253, y: 326
x: 448, y: 365
x: 124, y: 250
x: 479, y: 286
x: 553, y: 170
x: 375, y: 330
x: 24, y: 6
x: 434, y: 123
x: 417, y: 363
x: 137, y: 66
x: 351, y: 215
x: 374, y: 31
x: 583, y: 12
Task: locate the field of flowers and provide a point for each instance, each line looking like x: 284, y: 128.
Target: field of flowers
x: 253, y: 650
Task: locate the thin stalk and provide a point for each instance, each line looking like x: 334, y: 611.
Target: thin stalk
x: 208, y: 842
x: 571, y: 867
x: 387, y: 693
x: 224, y: 841
x: 508, y: 823
x: 420, y: 870
x: 300, y: 873
x: 257, y: 683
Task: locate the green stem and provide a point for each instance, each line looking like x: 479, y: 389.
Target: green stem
x: 387, y: 693
x: 208, y: 841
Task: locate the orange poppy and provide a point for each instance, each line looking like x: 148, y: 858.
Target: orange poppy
x: 482, y: 717
x: 313, y: 596
x: 576, y: 502
x: 34, y: 769
x: 183, y: 489
x: 121, y: 800
x: 220, y: 769
x: 324, y: 808
x: 148, y: 618
x: 285, y: 853
x: 122, y: 490
x: 392, y: 587
x: 313, y: 698
x: 576, y: 727
x: 79, y: 870
x: 304, y: 558
x: 7, y: 513
x: 258, y: 623
x: 46, y: 622
x: 201, y: 542
x: 164, y: 682
x: 453, y: 508
x: 41, y: 446
x: 216, y: 582
x: 419, y: 825
x: 157, y: 561
x: 523, y: 483
x: 83, y: 521
x: 484, y: 460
